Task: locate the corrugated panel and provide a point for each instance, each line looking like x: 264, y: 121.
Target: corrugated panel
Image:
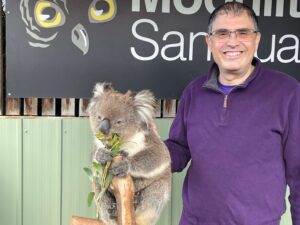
x: 77, y: 147
x: 10, y: 171
x: 43, y: 160
x: 41, y: 171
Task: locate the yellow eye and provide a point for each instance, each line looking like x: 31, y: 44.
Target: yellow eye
x: 48, y: 15
x: 102, y: 10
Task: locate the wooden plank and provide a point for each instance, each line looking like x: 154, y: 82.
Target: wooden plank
x: 41, y: 171
x: 48, y: 107
x: 30, y: 106
x: 83, y: 104
x: 158, y: 109
x: 68, y: 107
x: 77, y: 148
x: 169, y: 108
x: 10, y: 171
x: 13, y: 106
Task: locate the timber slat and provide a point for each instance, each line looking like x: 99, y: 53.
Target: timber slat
x: 169, y: 108
x: 48, y: 107
x: 13, y: 106
x: 30, y: 107
x: 83, y: 104
x: 68, y: 107
x: 158, y: 108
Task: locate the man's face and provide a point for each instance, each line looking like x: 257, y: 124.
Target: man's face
x: 232, y: 54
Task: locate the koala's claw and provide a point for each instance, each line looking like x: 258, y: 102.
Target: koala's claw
x: 103, y: 155
x: 112, y: 211
x: 137, y: 199
x: 119, y: 168
x: 123, y: 153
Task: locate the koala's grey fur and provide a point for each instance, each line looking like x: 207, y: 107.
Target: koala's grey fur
x: 145, y: 157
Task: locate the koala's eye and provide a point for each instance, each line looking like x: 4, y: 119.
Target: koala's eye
x: 99, y: 117
x: 119, y: 122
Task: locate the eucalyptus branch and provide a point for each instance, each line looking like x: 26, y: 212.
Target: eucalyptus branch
x: 98, y: 173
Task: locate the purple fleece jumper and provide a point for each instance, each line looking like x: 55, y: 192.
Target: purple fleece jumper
x: 243, y: 149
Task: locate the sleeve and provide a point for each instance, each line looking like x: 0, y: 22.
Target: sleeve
x: 177, y: 142
x: 292, y: 156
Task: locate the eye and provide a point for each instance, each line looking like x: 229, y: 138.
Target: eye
x: 243, y: 32
x: 222, y: 33
x: 48, y: 15
x: 99, y: 118
x: 102, y: 10
x: 119, y: 122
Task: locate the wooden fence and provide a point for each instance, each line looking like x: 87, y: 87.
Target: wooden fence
x: 67, y: 107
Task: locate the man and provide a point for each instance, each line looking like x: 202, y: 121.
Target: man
x: 239, y: 127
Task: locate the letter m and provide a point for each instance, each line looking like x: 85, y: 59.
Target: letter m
x: 150, y: 5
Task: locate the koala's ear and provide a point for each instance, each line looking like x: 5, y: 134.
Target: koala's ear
x: 144, y: 102
x: 101, y: 88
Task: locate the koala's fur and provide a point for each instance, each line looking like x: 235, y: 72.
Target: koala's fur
x: 145, y: 157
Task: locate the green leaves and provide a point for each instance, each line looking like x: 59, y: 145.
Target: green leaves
x: 108, y: 181
x: 98, y: 167
x: 98, y: 173
x: 89, y: 173
x: 90, y: 198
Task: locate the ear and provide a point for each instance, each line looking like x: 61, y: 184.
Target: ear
x: 144, y: 102
x: 100, y: 88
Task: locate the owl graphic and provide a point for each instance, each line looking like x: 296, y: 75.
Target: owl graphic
x: 44, y: 18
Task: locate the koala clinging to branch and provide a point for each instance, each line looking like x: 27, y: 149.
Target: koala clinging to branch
x: 145, y: 157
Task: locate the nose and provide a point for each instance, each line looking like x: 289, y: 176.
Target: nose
x: 104, y: 126
x: 233, y: 39
x: 80, y: 38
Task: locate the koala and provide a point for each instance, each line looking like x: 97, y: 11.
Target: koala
x: 144, y: 156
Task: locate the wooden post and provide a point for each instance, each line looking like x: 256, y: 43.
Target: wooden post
x: 30, y: 107
x: 83, y: 104
x: 13, y: 106
x: 48, y: 107
x: 123, y: 189
x: 169, y: 109
x: 76, y: 220
x: 68, y: 107
x: 158, y: 109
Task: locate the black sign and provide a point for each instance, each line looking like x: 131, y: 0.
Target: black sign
x: 62, y: 48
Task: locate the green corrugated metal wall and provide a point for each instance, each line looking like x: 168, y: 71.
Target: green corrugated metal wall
x: 41, y: 172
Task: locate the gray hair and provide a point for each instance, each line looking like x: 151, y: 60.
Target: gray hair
x: 235, y: 8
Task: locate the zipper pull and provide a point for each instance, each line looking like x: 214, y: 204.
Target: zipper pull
x: 225, y: 102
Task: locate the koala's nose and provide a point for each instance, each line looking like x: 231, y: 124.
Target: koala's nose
x: 104, y: 126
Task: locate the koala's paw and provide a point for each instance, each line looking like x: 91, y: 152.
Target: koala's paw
x: 137, y: 199
x: 123, y: 153
x: 120, y: 168
x: 103, y: 155
x: 112, y: 211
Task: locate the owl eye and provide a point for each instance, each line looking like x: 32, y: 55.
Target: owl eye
x: 102, y: 10
x: 48, y: 15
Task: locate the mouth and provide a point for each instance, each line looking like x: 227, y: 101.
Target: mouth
x: 232, y: 54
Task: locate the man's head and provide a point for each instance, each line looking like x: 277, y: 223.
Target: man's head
x: 233, y: 37
x: 234, y: 8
